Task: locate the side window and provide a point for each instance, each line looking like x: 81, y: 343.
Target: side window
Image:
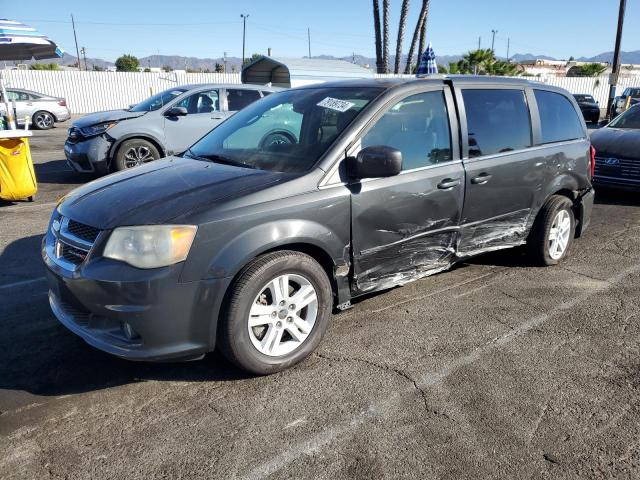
x: 558, y: 119
x: 418, y: 126
x: 238, y: 99
x: 201, y: 102
x: 497, y: 121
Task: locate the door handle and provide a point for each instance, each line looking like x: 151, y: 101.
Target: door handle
x: 481, y: 179
x: 448, y: 183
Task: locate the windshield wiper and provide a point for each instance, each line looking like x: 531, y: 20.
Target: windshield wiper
x: 218, y: 159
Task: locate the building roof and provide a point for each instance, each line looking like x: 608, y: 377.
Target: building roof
x: 287, y: 72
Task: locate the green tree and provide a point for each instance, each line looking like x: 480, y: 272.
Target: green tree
x: 44, y: 66
x: 219, y: 67
x: 147, y: 70
x: 167, y: 68
x: 97, y: 68
x: 127, y: 63
x: 253, y: 58
x: 587, y: 70
x: 442, y: 69
x: 483, y: 62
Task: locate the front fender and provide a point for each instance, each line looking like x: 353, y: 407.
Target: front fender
x: 261, y: 238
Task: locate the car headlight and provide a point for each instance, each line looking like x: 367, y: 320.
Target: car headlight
x: 98, y: 129
x: 150, y: 246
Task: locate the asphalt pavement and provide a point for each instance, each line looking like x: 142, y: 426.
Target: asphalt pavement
x: 494, y: 369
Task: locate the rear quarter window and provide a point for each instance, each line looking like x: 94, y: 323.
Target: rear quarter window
x: 559, y: 121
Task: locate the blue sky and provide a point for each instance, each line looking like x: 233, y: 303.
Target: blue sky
x: 201, y: 28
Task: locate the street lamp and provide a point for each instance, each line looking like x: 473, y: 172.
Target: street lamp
x: 244, y: 31
x: 493, y: 39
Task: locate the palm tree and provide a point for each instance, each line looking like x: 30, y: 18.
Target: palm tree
x: 416, y: 32
x: 423, y: 32
x: 385, y: 36
x: 376, y: 28
x: 404, y: 11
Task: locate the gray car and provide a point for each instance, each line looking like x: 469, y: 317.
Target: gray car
x: 166, y: 123
x: 248, y: 246
x: 42, y: 111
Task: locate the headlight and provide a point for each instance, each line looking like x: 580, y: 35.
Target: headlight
x: 98, y: 129
x: 150, y: 246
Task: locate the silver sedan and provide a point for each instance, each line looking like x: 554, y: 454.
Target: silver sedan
x: 42, y: 111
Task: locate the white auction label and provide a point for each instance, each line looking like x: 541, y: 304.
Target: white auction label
x: 336, y: 104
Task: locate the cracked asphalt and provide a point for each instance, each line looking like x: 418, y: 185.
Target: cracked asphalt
x: 491, y: 370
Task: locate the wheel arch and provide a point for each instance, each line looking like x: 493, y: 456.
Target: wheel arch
x: 135, y: 136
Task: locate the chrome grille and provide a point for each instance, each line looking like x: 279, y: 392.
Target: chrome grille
x: 72, y: 254
x: 615, y: 167
x: 72, y: 242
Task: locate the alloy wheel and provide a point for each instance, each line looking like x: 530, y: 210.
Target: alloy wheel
x: 282, y: 315
x: 135, y: 156
x: 44, y: 120
x: 559, y: 234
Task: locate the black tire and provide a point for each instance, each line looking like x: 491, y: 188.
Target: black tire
x: 233, y: 334
x: 276, y: 138
x: 133, y: 153
x: 538, y: 243
x: 43, y: 120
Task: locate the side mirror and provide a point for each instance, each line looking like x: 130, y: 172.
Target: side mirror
x: 374, y: 162
x: 176, y: 112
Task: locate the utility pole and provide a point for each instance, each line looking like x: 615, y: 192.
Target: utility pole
x: 225, y: 62
x: 309, y: 40
x: 83, y: 51
x: 244, y: 32
x: 615, y: 71
x: 479, y: 39
x: 493, y: 39
x: 508, y: 45
x: 73, y: 24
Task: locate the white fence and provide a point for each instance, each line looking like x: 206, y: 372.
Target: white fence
x: 93, y: 91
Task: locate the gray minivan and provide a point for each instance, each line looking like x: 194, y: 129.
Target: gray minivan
x: 248, y: 246
x: 166, y: 123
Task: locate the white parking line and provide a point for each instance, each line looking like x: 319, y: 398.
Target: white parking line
x: 383, y: 406
x: 22, y: 283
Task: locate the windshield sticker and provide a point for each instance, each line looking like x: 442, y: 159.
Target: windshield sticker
x: 336, y: 104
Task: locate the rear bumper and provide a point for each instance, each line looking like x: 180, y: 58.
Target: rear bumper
x: 103, y: 300
x: 88, y: 156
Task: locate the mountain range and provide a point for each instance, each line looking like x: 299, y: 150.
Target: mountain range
x: 177, y: 62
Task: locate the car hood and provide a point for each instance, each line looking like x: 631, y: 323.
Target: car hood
x: 616, y: 142
x: 106, y: 116
x: 588, y: 105
x: 160, y: 191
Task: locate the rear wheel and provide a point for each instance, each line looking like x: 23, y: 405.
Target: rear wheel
x: 278, y: 311
x: 135, y: 152
x: 552, y: 232
x: 276, y: 138
x: 43, y: 120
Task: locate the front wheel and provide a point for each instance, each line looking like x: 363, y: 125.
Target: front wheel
x: 277, y: 313
x: 135, y: 152
x: 552, y: 232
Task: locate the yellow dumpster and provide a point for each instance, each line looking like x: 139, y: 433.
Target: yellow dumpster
x: 17, y: 178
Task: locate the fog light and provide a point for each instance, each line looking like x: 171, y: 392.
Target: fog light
x: 129, y: 332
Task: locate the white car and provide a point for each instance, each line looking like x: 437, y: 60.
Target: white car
x: 42, y: 110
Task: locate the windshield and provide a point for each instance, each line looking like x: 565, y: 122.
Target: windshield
x: 629, y: 119
x: 287, y: 131
x: 158, y: 100
x: 584, y: 98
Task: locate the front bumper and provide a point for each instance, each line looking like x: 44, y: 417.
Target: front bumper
x: 90, y: 155
x: 99, y: 297
x: 616, y: 182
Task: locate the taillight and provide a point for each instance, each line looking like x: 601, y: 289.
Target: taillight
x: 62, y: 103
x: 592, y: 169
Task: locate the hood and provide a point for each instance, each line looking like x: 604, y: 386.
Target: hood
x: 588, y: 105
x: 616, y: 142
x: 160, y: 191
x: 106, y: 116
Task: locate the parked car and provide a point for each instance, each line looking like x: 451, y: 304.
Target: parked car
x: 166, y: 123
x: 43, y: 111
x: 631, y: 95
x: 618, y: 151
x: 248, y: 246
x: 589, y: 107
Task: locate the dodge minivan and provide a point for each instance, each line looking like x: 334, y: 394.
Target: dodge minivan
x: 248, y: 247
